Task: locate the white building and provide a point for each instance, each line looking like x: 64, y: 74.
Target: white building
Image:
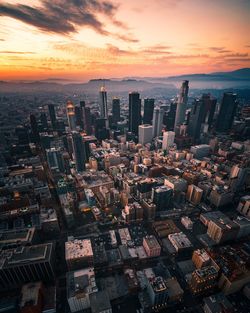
x: 145, y: 133
x: 168, y: 140
x: 186, y: 222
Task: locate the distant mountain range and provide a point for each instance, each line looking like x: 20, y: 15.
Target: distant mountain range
x: 241, y: 74
x: 239, y: 78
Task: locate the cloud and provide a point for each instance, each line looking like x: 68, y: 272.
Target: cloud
x: 217, y: 49
x: 17, y: 52
x: 65, y: 16
x: 232, y: 55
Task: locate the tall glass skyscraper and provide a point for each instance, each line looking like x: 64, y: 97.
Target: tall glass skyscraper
x: 227, y: 112
x: 181, y: 106
x: 134, y: 112
x: 148, y: 111
x: 103, y: 104
x: 78, y: 151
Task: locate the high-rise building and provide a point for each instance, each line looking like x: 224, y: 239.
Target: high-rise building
x: 168, y: 140
x: 157, y: 121
x: 79, y: 116
x: 145, y: 133
x: 103, y: 104
x: 227, y: 112
x: 55, y: 159
x: 134, y: 112
x: 181, y: 106
x: 151, y: 246
x: 87, y: 120
x: 79, y: 151
x: 34, y: 128
x: 44, y: 121
x: 195, y: 119
x: 52, y: 115
x: 116, y: 110
x: 162, y: 197
x: 209, y: 104
x: 25, y: 264
x: 22, y: 135
x: 71, y: 115
x: 203, y: 280
x: 101, y: 131
x: 169, y: 117
x: 148, y: 111
x: 194, y: 194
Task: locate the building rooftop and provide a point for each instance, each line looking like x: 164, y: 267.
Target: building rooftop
x: 76, y: 249
x: 23, y: 255
x: 99, y: 301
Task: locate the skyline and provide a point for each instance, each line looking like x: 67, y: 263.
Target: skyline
x: 81, y: 39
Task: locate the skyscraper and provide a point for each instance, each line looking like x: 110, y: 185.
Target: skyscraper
x: 44, y: 121
x: 227, y: 112
x: 195, y: 119
x: 52, y: 115
x: 116, y: 110
x: 34, y: 128
x: 103, y: 104
x: 209, y: 108
x: 79, y: 116
x: 134, y: 112
x: 181, y: 106
x: 168, y: 140
x: 169, y: 117
x: 148, y: 111
x: 157, y: 121
x: 71, y: 115
x: 145, y: 133
x: 78, y: 151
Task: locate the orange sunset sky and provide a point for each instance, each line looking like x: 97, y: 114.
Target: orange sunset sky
x: 83, y: 39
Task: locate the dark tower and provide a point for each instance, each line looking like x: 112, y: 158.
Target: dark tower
x: 116, y: 110
x: 79, y: 151
x: 148, y: 111
x: 195, y: 119
x: 34, y: 128
x: 134, y: 112
x: 227, y: 112
x: 52, y: 115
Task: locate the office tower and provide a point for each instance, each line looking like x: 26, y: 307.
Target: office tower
x: 25, y: 264
x: 116, y: 110
x: 209, y: 104
x: 181, y: 106
x: 157, y: 122
x: 55, y: 159
x: 103, y: 105
x: 145, y: 133
x: 227, y: 112
x: 71, y: 115
x: 34, y: 128
x: 162, y: 197
x: 201, y: 258
x: 22, y: 135
x: 101, y: 132
x: 168, y: 140
x: 52, y: 115
x: 78, y: 151
x: 222, y: 230
x: 134, y: 112
x: 79, y: 116
x: 148, y: 111
x: 194, y: 194
x: 169, y: 117
x: 44, y: 121
x: 195, y: 119
x: 87, y: 120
